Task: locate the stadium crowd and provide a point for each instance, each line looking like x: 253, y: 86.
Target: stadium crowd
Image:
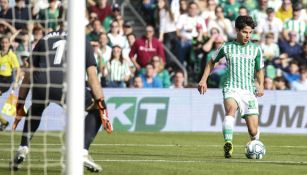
x: 191, y: 30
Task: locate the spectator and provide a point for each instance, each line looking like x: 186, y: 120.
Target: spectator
x: 115, y: 38
x: 275, y: 4
x: 131, y: 40
x: 291, y: 47
x: 97, y: 30
x: 5, y: 12
x: 243, y: 11
x: 178, y: 80
x: 6, y: 29
x: 101, y: 8
x: 167, y: 25
x: 137, y: 82
x: 150, y: 79
x: 145, y: 48
x: 300, y: 84
x: 118, y: 71
x: 268, y: 83
x: 285, y: 11
x: 260, y: 14
x: 148, y: 8
x: 104, y: 55
x: 50, y: 16
x: 39, y: 5
x: 21, y: 14
x: 271, y: 24
x: 231, y: 8
x: 104, y: 49
x: 280, y: 83
x: 295, y: 24
x: 175, y: 8
x: 281, y: 63
x: 183, y: 4
x: 269, y: 48
x: 292, y: 74
x: 186, y: 30
x: 128, y: 28
x: 38, y: 33
x: 120, y: 20
x: 161, y: 72
x: 208, y: 14
x: 215, y: 80
x: 24, y: 44
x: 303, y: 58
x: 221, y: 23
x: 112, y: 17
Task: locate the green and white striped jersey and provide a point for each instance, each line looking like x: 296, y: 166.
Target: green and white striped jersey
x: 242, y: 62
x: 298, y: 26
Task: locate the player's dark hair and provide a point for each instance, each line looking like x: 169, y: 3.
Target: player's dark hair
x: 243, y: 21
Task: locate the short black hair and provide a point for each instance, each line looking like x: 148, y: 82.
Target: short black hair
x: 243, y: 21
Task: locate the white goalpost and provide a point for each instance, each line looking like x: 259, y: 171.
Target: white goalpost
x: 76, y: 86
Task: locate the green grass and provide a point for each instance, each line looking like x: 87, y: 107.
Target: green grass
x: 166, y: 153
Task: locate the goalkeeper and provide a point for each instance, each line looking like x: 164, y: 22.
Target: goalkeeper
x: 45, y: 77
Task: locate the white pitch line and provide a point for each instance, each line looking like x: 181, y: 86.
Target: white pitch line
x: 159, y: 145
x: 185, y: 161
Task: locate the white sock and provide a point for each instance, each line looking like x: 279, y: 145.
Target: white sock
x: 85, y: 152
x: 228, y: 125
x: 257, y: 136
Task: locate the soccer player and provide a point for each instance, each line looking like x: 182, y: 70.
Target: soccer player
x: 45, y: 77
x: 244, y: 64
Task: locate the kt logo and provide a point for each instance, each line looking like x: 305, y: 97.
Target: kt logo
x: 129, y: 114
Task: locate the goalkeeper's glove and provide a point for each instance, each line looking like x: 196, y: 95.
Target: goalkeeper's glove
x: 103, y: 113
x: 20, y: 112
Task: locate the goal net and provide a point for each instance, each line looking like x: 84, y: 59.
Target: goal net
x: 53, y: 148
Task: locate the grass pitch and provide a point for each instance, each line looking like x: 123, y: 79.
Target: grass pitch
x: 166, y: 153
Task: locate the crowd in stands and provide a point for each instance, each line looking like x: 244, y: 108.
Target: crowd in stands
x: 191, y: 29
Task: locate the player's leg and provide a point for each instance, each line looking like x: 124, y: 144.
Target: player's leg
x: 31, y: 124
x: 231, y: 107
x: 92, y: 126
x: 252, y: 126
x: 250, y: 114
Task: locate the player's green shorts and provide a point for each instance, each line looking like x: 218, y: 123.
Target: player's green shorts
x: 247, y: 102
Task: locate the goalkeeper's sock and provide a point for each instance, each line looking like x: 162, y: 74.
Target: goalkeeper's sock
x: 92, y: 126
x: 228, y: 125
x: 257, y: 136
x: 85, y: 152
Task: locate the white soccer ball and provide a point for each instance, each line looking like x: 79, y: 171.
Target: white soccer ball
x: 255, y: 149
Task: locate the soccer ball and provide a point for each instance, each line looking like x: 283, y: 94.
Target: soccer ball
x: 255, y: 149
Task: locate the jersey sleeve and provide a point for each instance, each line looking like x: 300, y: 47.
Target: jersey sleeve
x: 219, y: 54
x: 259, y: 59
x: 89, y: 56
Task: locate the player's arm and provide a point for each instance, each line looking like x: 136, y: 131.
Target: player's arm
x: 202, y: 85
x: 259, y: 73
x: 93, y: 82
x: 260, y: 82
